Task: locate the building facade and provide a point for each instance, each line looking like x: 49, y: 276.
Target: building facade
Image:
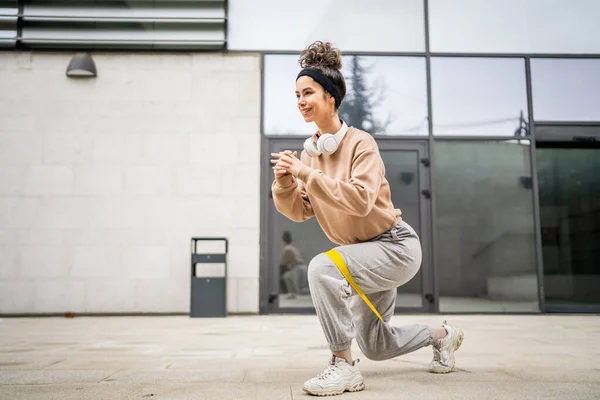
x: 487, y: 115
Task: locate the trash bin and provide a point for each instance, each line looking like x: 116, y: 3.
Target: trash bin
x: 208, y: 297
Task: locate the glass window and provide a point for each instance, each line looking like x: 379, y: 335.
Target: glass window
x: 566, y: 89
x: 569, y: 188
x: 479, y: 96
x: 353, y: 25
x: 485, y: 233
x: 514, y: 26
x: 395, y: 101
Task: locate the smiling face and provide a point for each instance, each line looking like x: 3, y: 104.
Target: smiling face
x: 313, y: 102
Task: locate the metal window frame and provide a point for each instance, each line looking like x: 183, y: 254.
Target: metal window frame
x: 568, y: 123
x: 539, y: 260
x: 428, y: 54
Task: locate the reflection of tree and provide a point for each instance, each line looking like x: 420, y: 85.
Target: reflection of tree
x: 357, y: 109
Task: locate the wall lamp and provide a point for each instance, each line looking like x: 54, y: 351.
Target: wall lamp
x: 82, y: 66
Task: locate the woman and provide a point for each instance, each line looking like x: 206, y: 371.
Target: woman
x: 340, y: 179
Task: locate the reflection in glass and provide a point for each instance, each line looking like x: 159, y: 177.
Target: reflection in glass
x: 515, y: 26
x: 566, y: 89
x: 569, y: 192
x: 309, y: 240
x: 385, y: 95
x: 479, y: 97
x: 402, y: 173
x: 485, y: 234
x: 353, y: 25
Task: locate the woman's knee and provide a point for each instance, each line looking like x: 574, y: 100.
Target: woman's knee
x: 369, y: 332
x: 318, y: 267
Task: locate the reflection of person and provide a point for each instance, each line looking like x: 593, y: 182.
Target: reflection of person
x: 294, y: 277
x: 340, y: 179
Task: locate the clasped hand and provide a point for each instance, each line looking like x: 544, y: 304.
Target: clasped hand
x: 286, y: 162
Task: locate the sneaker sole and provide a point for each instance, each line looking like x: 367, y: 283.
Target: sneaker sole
x: 461, y: 336
x: 356, y: 388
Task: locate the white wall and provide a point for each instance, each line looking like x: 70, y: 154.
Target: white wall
x: 104, y: 181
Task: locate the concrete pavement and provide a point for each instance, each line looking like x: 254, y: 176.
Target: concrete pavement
x: 269, y: 357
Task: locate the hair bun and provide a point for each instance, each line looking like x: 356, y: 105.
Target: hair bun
x: 321, y: 54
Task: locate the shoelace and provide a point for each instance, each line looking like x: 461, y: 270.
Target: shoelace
x: 328, y: 371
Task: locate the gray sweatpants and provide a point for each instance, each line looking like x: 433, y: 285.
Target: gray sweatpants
x: 378, y: 267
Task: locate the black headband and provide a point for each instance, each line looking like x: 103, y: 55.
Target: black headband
x: 323, y: 81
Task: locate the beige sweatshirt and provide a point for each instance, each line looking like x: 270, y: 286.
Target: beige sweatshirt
x: 290, y: 256
x: 347, y: 191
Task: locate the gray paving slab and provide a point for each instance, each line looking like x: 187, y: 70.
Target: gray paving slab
x: 269, y: 357
x: 225, y: 375
x: 27, y: 363
x: 407, y: 390
x: 66, y: 392
x: 555, y: 374
x: 110, y: 363
x: 37, y: 377
x: 206, y: 391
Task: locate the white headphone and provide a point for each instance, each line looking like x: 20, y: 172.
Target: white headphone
x: 326, y: 144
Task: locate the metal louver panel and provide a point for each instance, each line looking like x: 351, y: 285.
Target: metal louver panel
x: 167, y: 24
x: 9, y: 12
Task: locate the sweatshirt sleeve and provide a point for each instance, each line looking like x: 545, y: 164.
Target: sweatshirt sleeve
x: 290, y: 199
x: 355, y: 197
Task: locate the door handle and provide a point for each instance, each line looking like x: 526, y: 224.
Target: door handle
x: 426, y: 193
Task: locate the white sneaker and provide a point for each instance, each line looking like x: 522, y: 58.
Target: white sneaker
x: 443, y: 351
x: 338, y: 377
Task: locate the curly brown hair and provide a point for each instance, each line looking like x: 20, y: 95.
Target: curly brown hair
x: 324, y: 57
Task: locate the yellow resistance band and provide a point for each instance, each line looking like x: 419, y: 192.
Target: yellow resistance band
x: 339, y: 262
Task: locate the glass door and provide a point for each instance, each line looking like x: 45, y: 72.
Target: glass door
x: 407, y: 171
x: 569, y: 198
